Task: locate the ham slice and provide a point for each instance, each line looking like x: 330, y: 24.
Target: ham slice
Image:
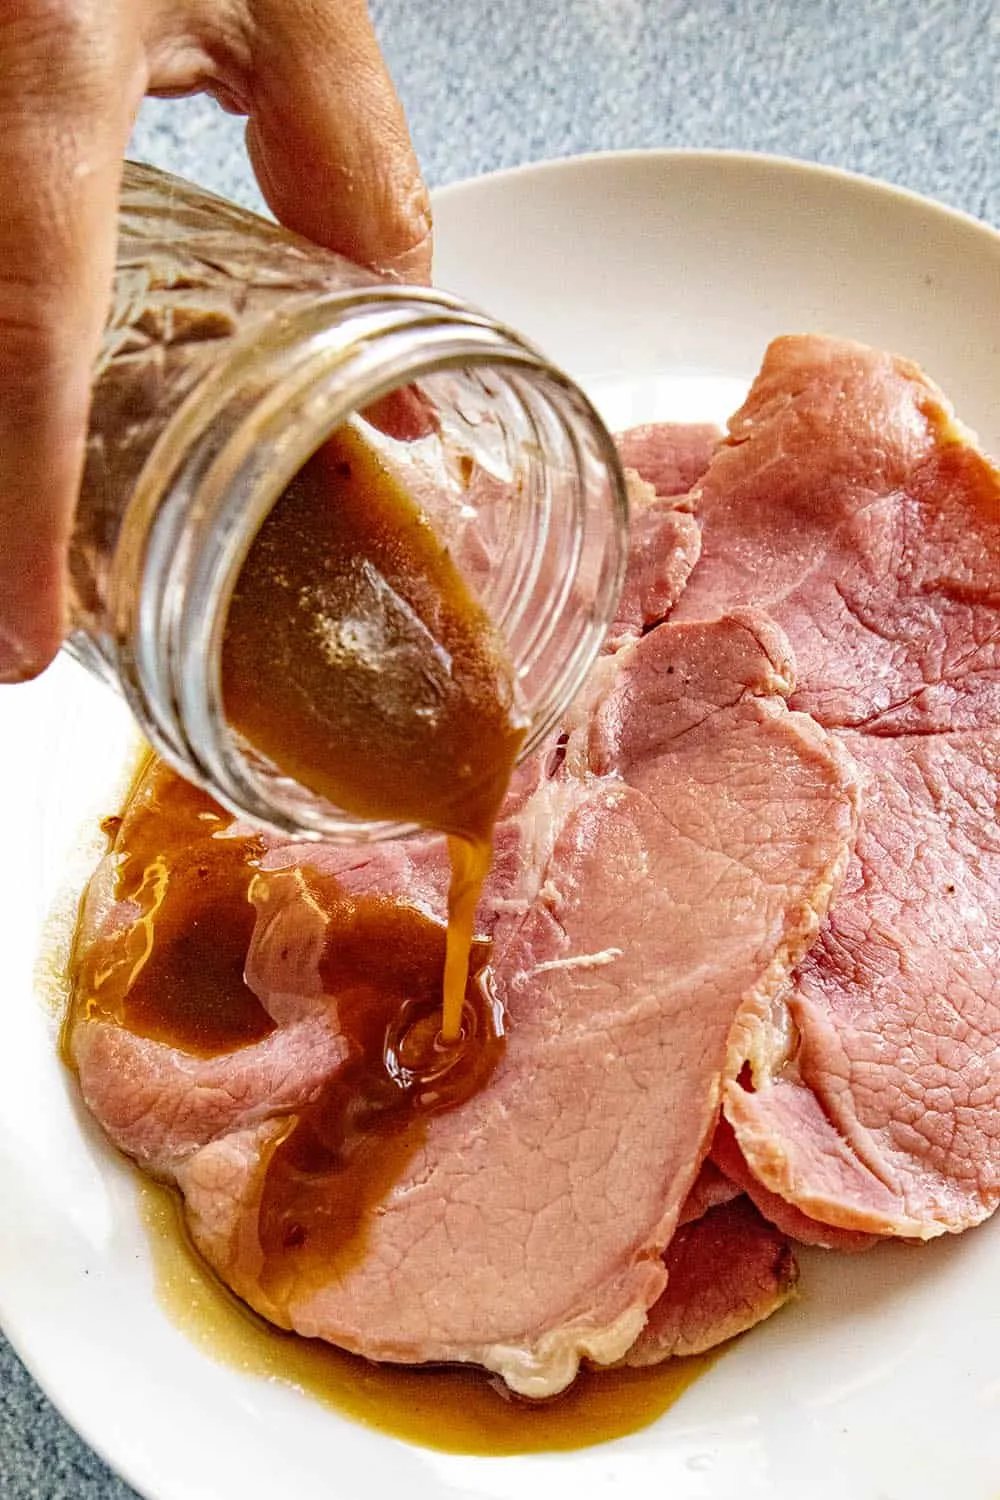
x: 661, y: 464
x: 669, y: 870
x: 783, y: 1215
x: 726, y: 1271
x: 850, y: 505
x: 711, y: 1189
x: 663, y: 549
x: 670, y: 456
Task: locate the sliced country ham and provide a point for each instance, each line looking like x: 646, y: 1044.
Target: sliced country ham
x: 669, y: 869
x: 662, y: 463
x: 727, y: 1267
x: 711, y: 1189
x: 670, y: 456
x: 850, y: 505
x: 663, y: 549
x: 726, y: 1271
x: 783, y: 1215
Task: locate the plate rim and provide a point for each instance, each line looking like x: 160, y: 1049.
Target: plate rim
x: 861, y: 182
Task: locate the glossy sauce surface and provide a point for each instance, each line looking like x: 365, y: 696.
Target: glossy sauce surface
x: 176, y: 973
x: 453, y: 1410
x: 343, y: 1153
x: 357, y: 661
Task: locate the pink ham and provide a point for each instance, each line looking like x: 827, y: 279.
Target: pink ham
x: 849, y: 504
x: 661, y: 462
x: 670, y: 456
x: 671, y: 869
x: 726, y: 1271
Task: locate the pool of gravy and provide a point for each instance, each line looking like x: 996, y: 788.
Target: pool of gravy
x: 453, y: 1409
x: 357, y: 661
x: 176, y: 973
x: 345, y: 1151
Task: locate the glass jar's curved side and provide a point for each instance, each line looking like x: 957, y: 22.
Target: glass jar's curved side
x: 194, y: 276
x: 232, y: 352
x: 543, y: 539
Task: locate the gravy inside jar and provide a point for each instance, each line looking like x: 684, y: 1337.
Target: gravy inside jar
x: 357, y: 661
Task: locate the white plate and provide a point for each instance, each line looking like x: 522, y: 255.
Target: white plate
x: 657, y: 279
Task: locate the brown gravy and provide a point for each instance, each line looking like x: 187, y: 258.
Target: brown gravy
x: 453, y: 1410
x: 357, y: 661
x: 342, y: 1153
x: 176, y: 974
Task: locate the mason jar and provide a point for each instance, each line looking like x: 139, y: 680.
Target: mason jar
x: 233, y: 349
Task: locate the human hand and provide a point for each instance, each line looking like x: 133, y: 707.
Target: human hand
x: 330, y: 147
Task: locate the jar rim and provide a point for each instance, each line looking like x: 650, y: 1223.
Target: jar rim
x: 225, y: 460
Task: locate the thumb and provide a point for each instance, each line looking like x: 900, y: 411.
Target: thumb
x: 328, y: 139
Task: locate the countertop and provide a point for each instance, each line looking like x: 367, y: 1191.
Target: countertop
x: 901, y: 89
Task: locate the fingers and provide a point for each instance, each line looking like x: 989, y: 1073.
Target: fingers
x: 327, y: 134
x: 67, y: 94
x: 331, y: 148
x: 328, y: 138
x: 404, y: 415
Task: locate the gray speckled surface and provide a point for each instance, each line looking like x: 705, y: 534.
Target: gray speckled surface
x: 901, y: 89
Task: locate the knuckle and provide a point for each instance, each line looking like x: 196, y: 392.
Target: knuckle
x: 203, y: 44
x: 418, y: 201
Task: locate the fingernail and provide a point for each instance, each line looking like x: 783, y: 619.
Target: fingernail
x: 404, y: 415
x: 413, y: 263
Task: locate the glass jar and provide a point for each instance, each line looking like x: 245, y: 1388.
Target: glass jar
x: 232, y: 351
